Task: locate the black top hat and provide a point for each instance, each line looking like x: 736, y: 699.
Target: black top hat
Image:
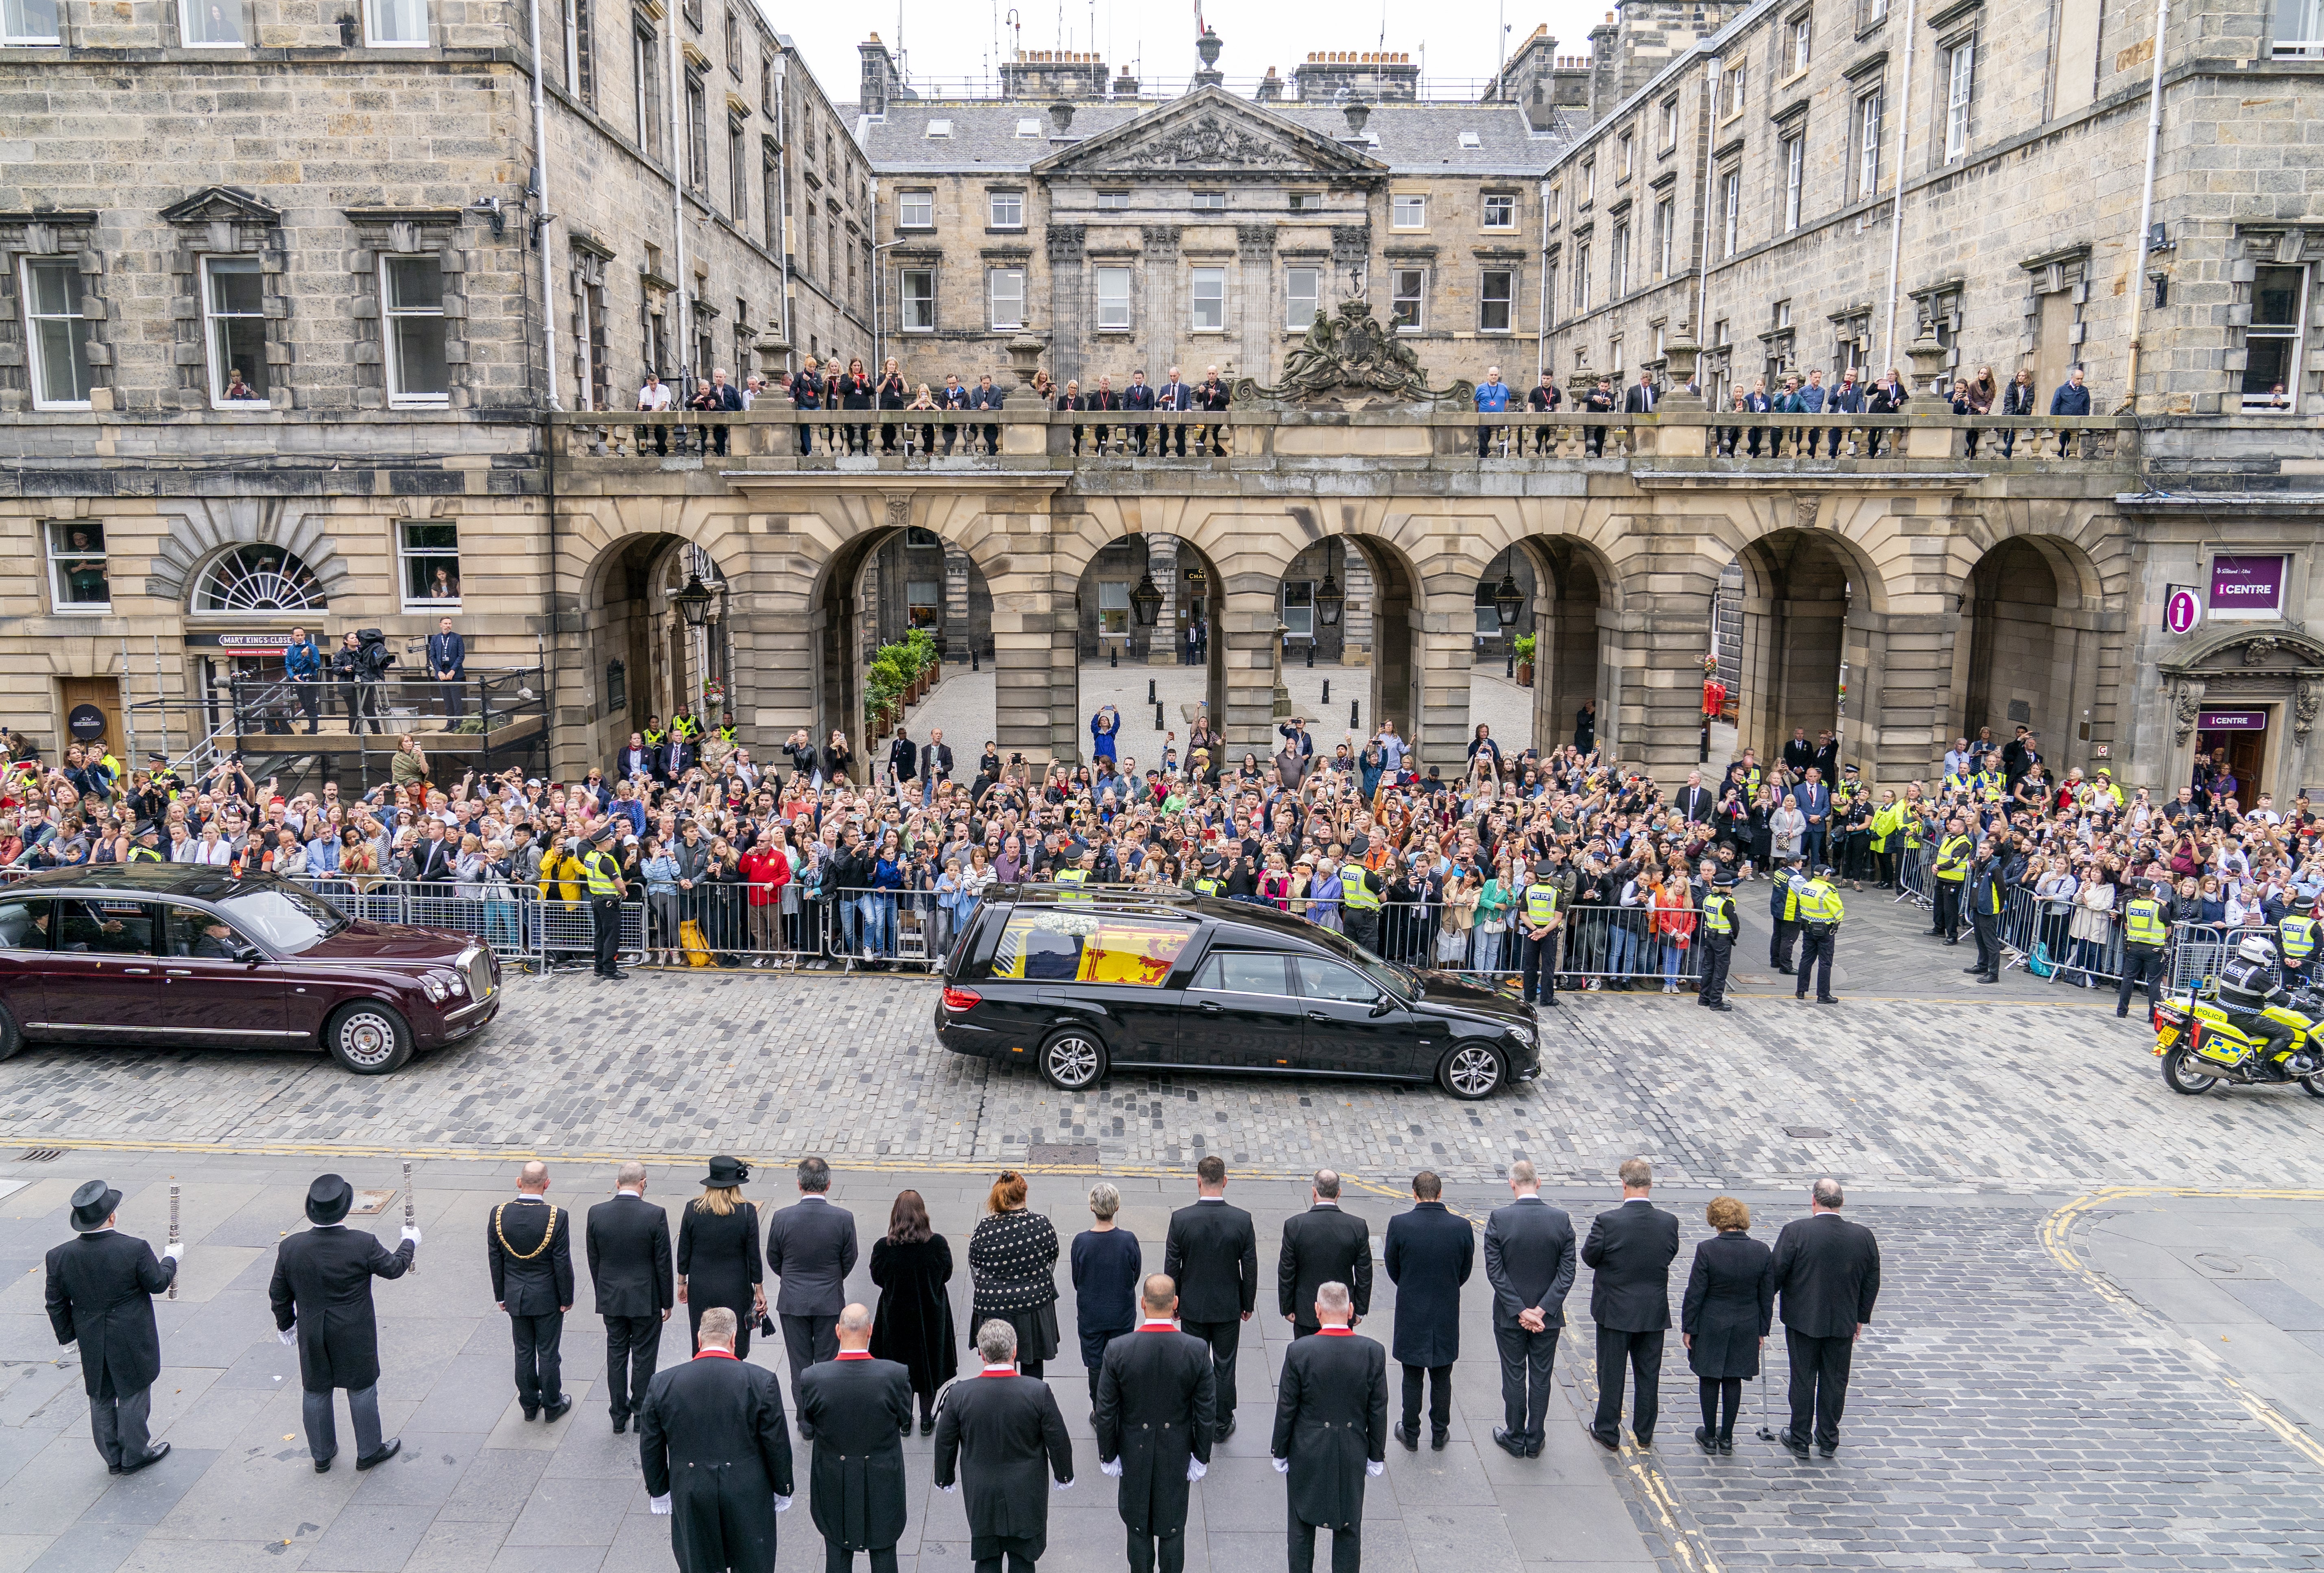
x: 92, y: 1204
x: 726, y: 1172
x: 328, y: 1199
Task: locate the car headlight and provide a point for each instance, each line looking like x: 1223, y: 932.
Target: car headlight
x: 456, y: 985
x: 1523, y: 1035
x: 434, y: 989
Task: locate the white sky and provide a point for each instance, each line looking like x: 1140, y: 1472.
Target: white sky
x: 952, y: 41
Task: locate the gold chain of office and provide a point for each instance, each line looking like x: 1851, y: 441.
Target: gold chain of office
x: 547, y: 1235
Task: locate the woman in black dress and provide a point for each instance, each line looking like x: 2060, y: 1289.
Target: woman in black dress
x: 1731, y: 1303
x: 1013, y: 1265
x: 912, y: 1263
x: 718, y: 1260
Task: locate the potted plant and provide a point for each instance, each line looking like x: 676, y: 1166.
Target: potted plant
x: 1524, y: 647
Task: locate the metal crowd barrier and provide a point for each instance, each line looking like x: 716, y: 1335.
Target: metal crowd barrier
x: 888, y: 927
x: 1912, y: 876
x: 2198, y: 949
x: 512, y: 922
x: 2037, y: 932
x: 1603, y: 943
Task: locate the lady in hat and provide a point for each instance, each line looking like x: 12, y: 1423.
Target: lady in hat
x: 718, y: 1261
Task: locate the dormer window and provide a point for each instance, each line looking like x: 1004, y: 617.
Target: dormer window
x: 1029, y: 127
x: 1470, y: 141
x: 937, y: 128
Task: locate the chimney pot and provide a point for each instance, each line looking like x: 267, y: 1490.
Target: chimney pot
x: 1357, y: 112
x: 1061, y: 115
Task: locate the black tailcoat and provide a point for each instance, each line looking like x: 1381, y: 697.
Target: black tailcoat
x: 1006, y: 1439
x: 101, y: 1290
x: 713, y: 1439
x: 1331, y: 1419
x: 859, y: 1411
x: 322, y: 1281
x: 1157, y: 1407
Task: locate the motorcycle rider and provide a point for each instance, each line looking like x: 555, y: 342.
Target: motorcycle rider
x: 2246, y: 988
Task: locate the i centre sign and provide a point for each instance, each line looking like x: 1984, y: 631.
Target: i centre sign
x: 2247, y: 586
x: 2182, y: 609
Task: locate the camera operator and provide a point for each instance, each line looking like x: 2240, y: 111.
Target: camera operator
x: 361, y: 665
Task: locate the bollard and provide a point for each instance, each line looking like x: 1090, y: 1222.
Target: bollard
x: 972, y: 665
x: 1150, y: 698
x: 1327, y: 691
x: 1354, y: 724
x: 1158, y: 722
x: 1113, y: 656
x: 1510, y: 672
x: 1311, y: 654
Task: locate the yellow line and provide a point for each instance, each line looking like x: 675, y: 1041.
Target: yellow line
x: 2057, y: 1230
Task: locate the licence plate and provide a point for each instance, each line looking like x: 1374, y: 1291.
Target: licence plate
x: 2165, y: 1038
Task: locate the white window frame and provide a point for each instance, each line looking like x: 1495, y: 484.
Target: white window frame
x: 1796, y: 176
x: 1114, y: 202
x: 211, y: 266
x: 79, y: 332
x: 1506, y: 301
x: 1005, y: 209
x: 391, y: 359
x: 1408, y: 210
x: 1298, y: 608
x: 2309, y: 45
x: 376, y: 39
x: 186, y: 33
x: 1581, y: 278
x: 1113, y: 312
x: 1617, y: 261
x: 16, y: 38
x: 1665, y: 227
x: 1734, y: 87
x: 1961, y: 94
x: 1669, y: 124
x: 2295, y: 332
x: 1418, y: 296
x: 916, y: 209
x: 1206, y: 287
x: 1506, y: 203
x: 1207, y: 201
x: 1799, y: 39
x: 50, y: 531
x: 995, y: 296
x: 1871, y: 109
x: 1730, y: 196
x: 1295, y: 297
x: 406, y: 553
x: 1304, y: 202
x: 1626, y: 160
x: 909, y: 305
x: 1614, y: 356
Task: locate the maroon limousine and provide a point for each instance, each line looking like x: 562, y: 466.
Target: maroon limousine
x: 166, y: 953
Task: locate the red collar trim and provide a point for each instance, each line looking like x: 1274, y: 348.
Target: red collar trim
x: 1152, y: 1325
x: 1336, y: 1332
x: 722, y: 1354
x: 854, y: 1354
x: 999, y: 1371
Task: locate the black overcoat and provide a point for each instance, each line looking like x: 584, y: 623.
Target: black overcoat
x: 529, y: 1246
x: 1003, y: 1437
x: 322, y: 1283
x: 1331, y: 1419
x: 1212, y: 1253
x: 913, y: 1324
x: 859, y: 1411
x: 1157, y: 1407
x: 713, y: 1439
x: 629, y: 1257
x: 1428, y: 1256
x: 719, y: 1258
x: 101, y: 1290
x: 1322, y: 1246
x: 1827, y: 1271
x: 1729, y: 1305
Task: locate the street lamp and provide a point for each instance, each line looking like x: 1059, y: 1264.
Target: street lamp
x: 1507, y: 599
x: 693, y: 603
x: 1146, y: 600
x: 1330, y: 600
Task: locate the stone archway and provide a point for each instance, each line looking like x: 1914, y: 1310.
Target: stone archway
x: 1811, y: 644
x: 2029, y: 652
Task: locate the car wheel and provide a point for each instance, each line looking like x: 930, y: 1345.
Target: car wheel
x: 1471, y: 1072
x: 368, y: 1038
x: 12, y: 1036
x: 1073, y: 1061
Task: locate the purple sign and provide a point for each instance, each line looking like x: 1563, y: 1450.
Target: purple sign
x: 2231, y: 720
x: 2247, y: 584
x: 2181, y: 612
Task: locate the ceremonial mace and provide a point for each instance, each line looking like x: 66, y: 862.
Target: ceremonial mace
x: 173, y: 1233
x: 407, y: 1210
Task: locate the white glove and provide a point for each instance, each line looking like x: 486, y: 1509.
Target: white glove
x: 1111, y: 1469
x: 1196, y: 1469
x: 1282, y: 1466
x: 411, y: 1234
x: 948, y: 1490
x: 660, y: 1505
x: 175, y: 1249
x: 1375, y: 1469
x: 288, y: 1335
x: 1062, y: 1485
x: 782, y: 1505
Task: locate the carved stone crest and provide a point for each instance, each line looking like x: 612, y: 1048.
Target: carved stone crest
x: 2256, y: 652
x: 2303, y: 710
x: 899, y: 511
x: 2186, y: 707
x: 1349, y: 351
x: 1803, y: 509
x: 1207, y: 142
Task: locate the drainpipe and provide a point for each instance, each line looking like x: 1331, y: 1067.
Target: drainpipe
x: 541, y: 225
x: 1897, y: 221
x: 1541, y: 283
x: 783, y: 188
x: 1702, y: 263
x: 2146, y: 205
x: 677, y: 213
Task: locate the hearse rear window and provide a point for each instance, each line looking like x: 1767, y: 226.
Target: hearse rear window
x: 1084, y: 947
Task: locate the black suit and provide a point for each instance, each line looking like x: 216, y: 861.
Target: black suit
x: 1331, y: 1419
x: 859, y: 1409
x: 1322, y: 1246
x: 1006, y: 1432
x: 1212, y: 1254
x: 322, y: 1287
x: 1630, y: 1249
x: 1828, y: 1272
x: 712, y: 1438
x: 529, y: 1245
x: 1156, y: 1409
x: 629, y: 1269
x: 1529, y: 1261
x: 1428, y: 1254
x: 637, y: 761
x: 1696, y: 802
x: 100, y: 1293
x: 811, y: 1247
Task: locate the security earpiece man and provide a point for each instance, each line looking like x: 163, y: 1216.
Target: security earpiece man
x: 604, y: 871
x: 1360, y: 896
x: 1953, y: 855
x: 1986, y: 897
x: 1720, y: 926
x: 1820, y: 914
x: 1537, y: 926
x: 2145, y: 938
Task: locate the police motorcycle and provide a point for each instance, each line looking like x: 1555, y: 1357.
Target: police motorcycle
x: 2226, y: 1040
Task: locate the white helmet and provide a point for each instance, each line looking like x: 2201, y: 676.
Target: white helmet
x: 2256, y: 949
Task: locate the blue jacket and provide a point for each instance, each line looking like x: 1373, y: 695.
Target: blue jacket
x: 1492, y: 398
x: 1138, y: 396
x: 985, y: 399
x: 447, y: 651
x: 1811, y: 397
x: 1174, y: 396
x: 2070, y: 400
x: 1848, y: 398
x: 302, y: 661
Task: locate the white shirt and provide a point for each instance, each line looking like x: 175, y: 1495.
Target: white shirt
x: 654, y: 398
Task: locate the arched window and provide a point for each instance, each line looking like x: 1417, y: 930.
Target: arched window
x: 258, y: 578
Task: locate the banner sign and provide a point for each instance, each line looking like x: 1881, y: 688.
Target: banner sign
x: 2231, y: 720
x: 2247, y: 584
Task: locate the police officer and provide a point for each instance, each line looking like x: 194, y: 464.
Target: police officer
x: 1952, y: 873
x: 2247, y: 987
x: 1820, y: 912
x: 606, y: 888
x: 2145, y: 937
x: 1538, y: 926
x: 2295, y: 935
x: 148, y: 847
x: 1719, y: 929
x: 1078, y: 875
x: 1208, y: 882
x: 1783, y: 910
x: 1360, y: 897
x: 1986, y: 897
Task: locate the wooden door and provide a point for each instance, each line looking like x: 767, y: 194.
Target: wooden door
x: 104, y: 694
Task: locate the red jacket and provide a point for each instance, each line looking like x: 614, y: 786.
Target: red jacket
x: 768, y: 870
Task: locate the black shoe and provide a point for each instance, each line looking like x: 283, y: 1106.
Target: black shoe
x: 1952, y: 939
x: 387, y: 1450
x: 621, y: 1424
x: 1990, y: 977
x: 1720, y: 1004
x: 1437, y: 1441
x: 161, y: 1451
x: 1515, y: 1447
x: 1827, y: 1452
x: 1726, y: 1445
x: 1786, y: 971
x: 1792, y: 1443
x: 1409, y: 1436
x: 1705, y: 1441
x: 1612, y: 1444
x: 557, y: 1411
x: 928, y: 1424
x: 531, y: 1411
x: 322, y: 1465
x: 1550, y: 1000
x: 1533, y: 1447
x: 1646, y: 1441
x: 1978, y: 968
x: 1827, y: 999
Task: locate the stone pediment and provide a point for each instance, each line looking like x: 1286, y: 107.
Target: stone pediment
x: 1210, y: 133
x: 221, y: 205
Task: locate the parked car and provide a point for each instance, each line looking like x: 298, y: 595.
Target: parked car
x: 182, y: 954
x: 1078, y: 983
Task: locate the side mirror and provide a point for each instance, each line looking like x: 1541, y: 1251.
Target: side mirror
x: 250, y: 953
x: 1382, y: 1006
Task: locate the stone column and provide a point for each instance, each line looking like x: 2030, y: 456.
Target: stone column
x: 1068, y: 302
x: 1255, y: 300
x: 1167, y: 645
x: 1164, y: 315
x: 959, y: 621
x: 1443, y: 650
x: 1651, y: 665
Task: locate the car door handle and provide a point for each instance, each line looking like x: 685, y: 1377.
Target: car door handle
x: 180, y: 971
x: 1208, y: 1006
x: 1317, y: 1016
x: 137, y: 969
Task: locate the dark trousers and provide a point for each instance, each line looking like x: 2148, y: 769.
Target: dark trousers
x: 1526, y: 1359
x: 1363, y: 926
x: 1537, y: 964
x: 1347, y: 1547
x: 1153, y: 1553
x: 633, y: 1351
x: 1947, y: 920
x: 310, y: 700
x: 1819, y: 1384
x: 2139, y: 963
x: 838, y: 1559
x: 1020, y: 1550
x: 322, y: 1428
x: 1718, y: 950
x: 1721, y: 1397
x: 118, y: 1427
x: 539, y: 1362
x: 1225, y: 1338
x: 1985, y: 927
x: 1780, y: 943
x: 1643, y: 1354
x: 809, y: 1340
x: 1817, y: 943
x: 1439, y: 1379
x: 606, y: 917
